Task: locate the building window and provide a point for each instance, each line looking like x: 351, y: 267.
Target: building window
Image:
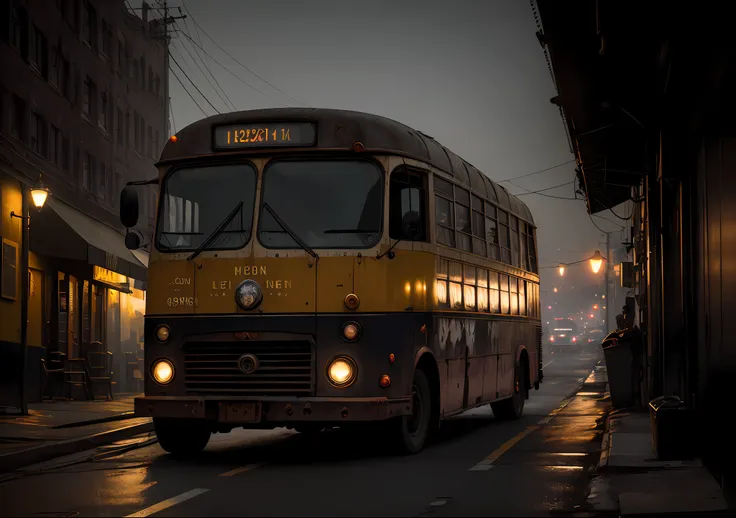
x: 135, y: 71
x: 119, y: 129
x: 54, y: 145
x: 102, y: 181
x: 103, y: 110
x: 64, y: 76
x: 149, y: 151
x: 150, y: 78
x: 88, y: 171
x: 39, y: 136
x: 19, y: 28
x: 121, y: 55
x: 143, y: 72
x: 157, y: 85
x: 88, y: 96
x: 17, y: 118
x: 39, y: 52
x: 89, y: 24
x: 106, y: 38
x: 65, y: 153
x: 54, y: 67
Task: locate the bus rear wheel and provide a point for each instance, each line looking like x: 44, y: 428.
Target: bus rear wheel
x: 513, y: 407
x: 411, y: 432
x: 182, y: 437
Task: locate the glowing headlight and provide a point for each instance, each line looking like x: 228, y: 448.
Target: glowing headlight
x: 162, y: 372
x: 351, y: 331
x: 162, y: 333
x: 341, y: 371
x: 248, y: 294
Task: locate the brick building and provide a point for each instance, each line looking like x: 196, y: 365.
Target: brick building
x: 83, y: 105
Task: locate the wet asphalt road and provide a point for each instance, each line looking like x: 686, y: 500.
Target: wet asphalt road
x: 481, y: 467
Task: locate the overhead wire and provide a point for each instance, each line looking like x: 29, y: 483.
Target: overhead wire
x: 225, y: 98
x: 230, y: 71
x: 188, y: 92
x: 193, y: 84
x: 236, y: 59
x: 535, y: 172
x: 541, y: 190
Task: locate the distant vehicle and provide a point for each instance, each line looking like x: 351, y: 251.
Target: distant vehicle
x: 595, y: 335
x: 564, y: 331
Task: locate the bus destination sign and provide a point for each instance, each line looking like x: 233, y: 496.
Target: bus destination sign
x: 285, y: 134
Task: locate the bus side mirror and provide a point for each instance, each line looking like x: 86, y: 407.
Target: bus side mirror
x: 132, y: 241
x: 129, y: 207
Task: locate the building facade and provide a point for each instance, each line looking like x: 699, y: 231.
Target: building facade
x: 83, y: 107
x: 648, y: 101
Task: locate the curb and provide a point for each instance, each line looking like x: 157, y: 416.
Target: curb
x: 116, y: 417
x: 605, y: 444
x: 18, y: 459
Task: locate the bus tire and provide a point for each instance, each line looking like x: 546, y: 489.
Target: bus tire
x: 412, y: 432
x: 182, y: 437
x: 513, y: 407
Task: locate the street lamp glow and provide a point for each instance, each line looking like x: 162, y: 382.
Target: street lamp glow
x: 562, y: 269
x: 555, y: 290
x: 596, y: 262
x: 39, y: 193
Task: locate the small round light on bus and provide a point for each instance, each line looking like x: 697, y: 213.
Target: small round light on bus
x: 248, y: 294
x: 341, y: 372
x: 162, y: 333
x: 162, y: 372
x: 351, y: 331
x: 352, y: 301
x: 173, y: 138
x: 358, y: 147
x: 392, y: 357
x: 385, y: 381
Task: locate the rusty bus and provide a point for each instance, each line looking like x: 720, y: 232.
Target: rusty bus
x: 316, y: 268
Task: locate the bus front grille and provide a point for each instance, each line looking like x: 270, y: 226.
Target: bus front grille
x: 284, y: 368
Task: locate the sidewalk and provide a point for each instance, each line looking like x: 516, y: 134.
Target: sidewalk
x: 64, y: 427
x: 630, y: 481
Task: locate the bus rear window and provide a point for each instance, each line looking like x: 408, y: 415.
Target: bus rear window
x: 196, y: 200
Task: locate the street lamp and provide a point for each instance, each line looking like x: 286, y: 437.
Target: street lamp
x: 596, y: 261
x: 562, y: 269
x: 555, y: 290
x: 39, y: 195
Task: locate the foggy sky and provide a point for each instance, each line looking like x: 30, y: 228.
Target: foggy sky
x: 469, y: 73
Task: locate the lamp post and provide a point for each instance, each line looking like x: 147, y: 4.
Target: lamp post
x: 39, y: 194
x: 561, y: 269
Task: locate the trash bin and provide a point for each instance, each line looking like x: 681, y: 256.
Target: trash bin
x: 672, y: 428
x: 620, y: 370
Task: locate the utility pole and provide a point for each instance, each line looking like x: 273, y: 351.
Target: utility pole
x: 608, y: 270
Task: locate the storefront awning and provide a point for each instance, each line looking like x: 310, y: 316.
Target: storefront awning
x: 60, y: 230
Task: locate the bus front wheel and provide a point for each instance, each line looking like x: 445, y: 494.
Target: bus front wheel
x: 181, y: 436
x: 513, y: 407
x: 412, y: 431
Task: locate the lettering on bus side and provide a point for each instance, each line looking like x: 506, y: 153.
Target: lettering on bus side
x: 250, y: 271
x: 176, y: 302
x: 278, y: 284
x: 182, y: 281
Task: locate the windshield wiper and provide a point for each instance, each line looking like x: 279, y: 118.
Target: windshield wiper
x: 207, y: 242
x: 289, y: 231
x: 350, y: 231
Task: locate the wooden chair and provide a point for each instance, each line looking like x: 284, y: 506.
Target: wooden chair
x: 48, y: 376
x: 76, y: 375
x: 100, y: 372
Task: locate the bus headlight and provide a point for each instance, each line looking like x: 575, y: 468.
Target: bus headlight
x: 162, y: 333
x: 350, y: 331
x: 341, y: 371
x: 248, y: 294
x: 162, y: 372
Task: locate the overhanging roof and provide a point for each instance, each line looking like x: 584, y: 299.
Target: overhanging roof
x: 60, y: 230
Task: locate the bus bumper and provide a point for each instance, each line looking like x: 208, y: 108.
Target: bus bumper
x: 244, y: 410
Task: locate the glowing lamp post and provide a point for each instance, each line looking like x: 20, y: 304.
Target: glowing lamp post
x: 561, y: 269
x: 596, y: 262
x: 39, y: 194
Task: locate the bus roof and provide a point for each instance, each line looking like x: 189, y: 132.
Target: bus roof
x: 339, y: 130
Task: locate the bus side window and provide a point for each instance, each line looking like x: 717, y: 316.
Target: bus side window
x: 407, y: 194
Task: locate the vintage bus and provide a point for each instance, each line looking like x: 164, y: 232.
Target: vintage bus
x: 315, y: 268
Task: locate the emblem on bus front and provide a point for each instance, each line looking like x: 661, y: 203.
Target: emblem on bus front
x: 248, y: 294
x: 248, y: 363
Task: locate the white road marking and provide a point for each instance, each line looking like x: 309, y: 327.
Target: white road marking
x: 543, y: 366
x: 168, y: 503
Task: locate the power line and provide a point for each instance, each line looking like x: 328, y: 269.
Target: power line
x: 194, y: 85
x: 542, y: 194
x: 236, y: 60
x: 207, y: 78
x: 204, y: 62
x: 536, y: 172
x: 542, y: 190
x: 230, y: 71
x: 188, y: 93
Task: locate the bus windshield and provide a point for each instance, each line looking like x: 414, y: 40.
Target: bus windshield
x: 328, y: 203
x: 196, y: 200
